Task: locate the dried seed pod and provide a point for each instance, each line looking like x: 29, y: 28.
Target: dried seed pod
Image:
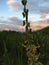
x: 23, y: 22
x: 24, y: 2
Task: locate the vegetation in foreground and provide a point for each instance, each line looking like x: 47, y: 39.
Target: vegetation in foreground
x: 12, y: 52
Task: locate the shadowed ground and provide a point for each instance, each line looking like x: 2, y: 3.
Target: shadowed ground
x: 1, y: 52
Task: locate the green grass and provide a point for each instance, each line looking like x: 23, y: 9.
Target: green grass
x: 12, y: 52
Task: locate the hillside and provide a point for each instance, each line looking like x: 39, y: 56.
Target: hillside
x: 45, y: 30
x: 43, y: 39
x: 11, y: 50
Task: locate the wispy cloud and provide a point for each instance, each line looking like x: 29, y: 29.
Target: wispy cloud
x: 14, y: 20
x: 14, y: 5
x: 36, y: 7
x: 16, y: 24
x: 1, y: 17
x: 40, y: 24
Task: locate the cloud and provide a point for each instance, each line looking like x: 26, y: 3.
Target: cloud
x: 31, y: 17
x: 14, y: 20
x: 1, y: 17
x: 11, y: 27
x: 39, y: 7
x: 44, y: 21
x: 11, y: 1
x: 40, y: 24
x: 13, y: 23
x: 14, y: 5
x: 42, y: 16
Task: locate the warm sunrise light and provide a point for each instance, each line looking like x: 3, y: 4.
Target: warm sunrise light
x: 10, y: 13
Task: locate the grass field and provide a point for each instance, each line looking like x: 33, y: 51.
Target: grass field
x: 12, y: 52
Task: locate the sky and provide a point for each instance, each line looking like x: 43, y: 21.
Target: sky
x: 11, y: 14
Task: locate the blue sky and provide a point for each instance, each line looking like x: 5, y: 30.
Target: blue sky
x: 11, y: 14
